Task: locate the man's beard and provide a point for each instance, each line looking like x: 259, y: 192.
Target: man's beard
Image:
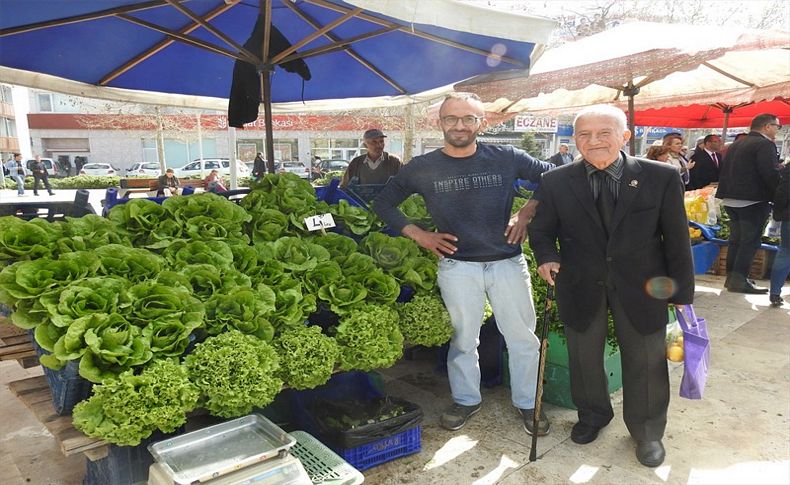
x: 469, y: 139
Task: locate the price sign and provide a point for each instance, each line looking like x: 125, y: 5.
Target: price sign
x: 318, y: 222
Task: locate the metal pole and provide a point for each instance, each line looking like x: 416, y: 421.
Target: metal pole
x: 630, y: 90
x: 727, y: 112
x: 234, y: 183
x: 266, y: 90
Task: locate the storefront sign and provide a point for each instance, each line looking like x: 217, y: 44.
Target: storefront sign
x: 540, y: 124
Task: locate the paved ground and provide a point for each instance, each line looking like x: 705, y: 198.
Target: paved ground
x: 738, y: 434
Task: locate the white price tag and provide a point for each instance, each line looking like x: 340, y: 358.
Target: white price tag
x: 321, y: 221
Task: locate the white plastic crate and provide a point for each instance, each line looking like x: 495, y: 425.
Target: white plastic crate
x: 323, y: 465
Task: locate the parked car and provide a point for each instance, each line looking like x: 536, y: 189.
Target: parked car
x: 205, y: 166
x: 53, y: 168
x: 144, y: 169
x: 99, y: 169
x: 295, y: 167
x: 333, y: 165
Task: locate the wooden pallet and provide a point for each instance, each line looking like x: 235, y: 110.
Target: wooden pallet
x: 15, y: 345
x: 34, y: 392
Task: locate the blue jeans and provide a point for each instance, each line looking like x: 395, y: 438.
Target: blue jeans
x: 20, y: 183
x: 464, y: 286
x: 781, y: 266
x: 746, y: 230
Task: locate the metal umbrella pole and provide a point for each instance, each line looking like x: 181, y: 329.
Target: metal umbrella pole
x: 544, y: 343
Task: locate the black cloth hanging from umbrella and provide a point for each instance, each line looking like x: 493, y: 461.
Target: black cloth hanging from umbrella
x: 245, y: 91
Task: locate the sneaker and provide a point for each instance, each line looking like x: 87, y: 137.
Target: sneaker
x: 776, y: 300
x: 456, y: 416
x: 543, y: 422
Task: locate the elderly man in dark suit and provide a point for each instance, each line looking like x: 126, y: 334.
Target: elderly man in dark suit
x: 562, y: 157
x: 623, y: 247
x: 747, y: 182
x: 707, y: 161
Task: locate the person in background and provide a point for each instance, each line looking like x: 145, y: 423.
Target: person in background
x: 659, y: 153
x: 468, y: 190
x: 259, y: 166
x: 781, y: 213
x: 727, y: 146
x: 612, y: 230
x: 705, y: 170
x: 748, y: 180
x: 17, y: 172
x: 213, y: 182
x: 375, y: 167
x: 562, y: 157
x: 675, y: 143
x: 168, y: 184
x: 40, y: 174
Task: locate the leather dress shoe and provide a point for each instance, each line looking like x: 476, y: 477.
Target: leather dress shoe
x: 650, y: 453
x: 583, y: 433
x: 747, y: 288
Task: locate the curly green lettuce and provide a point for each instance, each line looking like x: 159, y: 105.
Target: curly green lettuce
x: 369, y: 338
x: 307, y: 357
x: 126, y: 410
x: 425, y: 321
x: 234, y: 372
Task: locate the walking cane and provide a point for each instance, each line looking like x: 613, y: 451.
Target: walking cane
x: 544, y: 343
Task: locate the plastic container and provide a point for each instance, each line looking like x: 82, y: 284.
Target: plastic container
x: 332, y: 194
x: 323, y: 465
x: 384, y: 450
x: 67, y: 386
x: 51, y: 211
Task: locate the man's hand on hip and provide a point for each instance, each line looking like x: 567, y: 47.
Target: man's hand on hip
x: 439, y: 243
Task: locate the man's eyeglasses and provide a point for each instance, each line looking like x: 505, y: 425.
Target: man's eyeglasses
x: 777, y: 125
x: 469, y: 120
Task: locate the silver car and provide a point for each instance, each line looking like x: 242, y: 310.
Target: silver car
x: 99, y: 169
x: 205, y: 166
x: 150, y: 169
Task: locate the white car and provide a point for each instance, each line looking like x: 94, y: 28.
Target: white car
x: 205, y: 166
x: 297, y: 168
x: 144, y: 169
x: 99, y: 169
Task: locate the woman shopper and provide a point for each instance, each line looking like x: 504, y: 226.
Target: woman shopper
x: 781, y: 213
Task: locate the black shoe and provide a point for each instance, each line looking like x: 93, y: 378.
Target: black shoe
x: 728, y: 281
x: 583, y: 433
x: 650, y: 453
x: 35, y: 194
x: 457, y: 415
x: 747, y: 288
x: 543, y: 422
x: 776, y: 300
x: 52, y: 193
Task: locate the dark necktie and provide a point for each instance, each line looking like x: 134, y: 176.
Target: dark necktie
x: 605, y: 200
x: 715, y: 159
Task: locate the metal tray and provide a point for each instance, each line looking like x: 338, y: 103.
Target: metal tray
x: 216, y: 450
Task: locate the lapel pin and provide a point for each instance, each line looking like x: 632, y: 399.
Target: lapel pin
x: 633, y: 183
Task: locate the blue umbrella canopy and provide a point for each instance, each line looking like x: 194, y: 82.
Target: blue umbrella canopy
x: 183, y: 47
x: 352, y: 49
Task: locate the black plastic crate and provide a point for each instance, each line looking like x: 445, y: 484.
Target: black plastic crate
x: 124, y: 465
x: 51, y: 211
x: 67, y: 386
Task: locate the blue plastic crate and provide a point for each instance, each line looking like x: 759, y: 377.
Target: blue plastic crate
x: 67, y: 386
x: 332, y: 194
x: 383, y: 450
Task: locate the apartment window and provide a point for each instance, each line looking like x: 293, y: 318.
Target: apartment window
x: 7, y: 128
x: 5, y: 94
x: 45, y: 103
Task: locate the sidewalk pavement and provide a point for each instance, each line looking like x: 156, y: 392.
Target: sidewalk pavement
x: 738, y: 434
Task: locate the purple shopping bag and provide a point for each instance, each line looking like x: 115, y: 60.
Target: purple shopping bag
x: 696, y: 352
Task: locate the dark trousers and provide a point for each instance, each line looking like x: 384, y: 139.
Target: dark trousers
x: 645, y: 374
x: 746, y: 230
x: 41, y: 178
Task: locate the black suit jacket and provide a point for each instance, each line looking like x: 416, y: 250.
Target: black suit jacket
x: 705, y: 170
x: 647, y: 259
x: 750, y: 170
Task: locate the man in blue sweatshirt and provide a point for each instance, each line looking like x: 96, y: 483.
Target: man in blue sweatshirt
x: 468, y: 190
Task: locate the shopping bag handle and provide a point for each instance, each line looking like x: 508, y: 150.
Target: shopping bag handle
x: 686, y: 322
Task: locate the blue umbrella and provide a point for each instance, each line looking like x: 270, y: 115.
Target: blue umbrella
x: 311, y: 50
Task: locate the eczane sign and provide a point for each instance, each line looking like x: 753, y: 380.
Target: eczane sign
x: 541, y: 124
